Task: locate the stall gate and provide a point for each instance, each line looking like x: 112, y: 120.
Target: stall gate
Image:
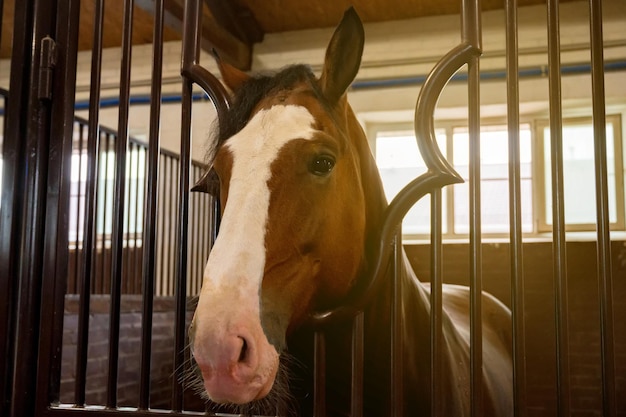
x: 35, y: 251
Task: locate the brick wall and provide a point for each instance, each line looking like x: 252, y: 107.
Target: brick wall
x: 584, y: 319
x: 129, y: 352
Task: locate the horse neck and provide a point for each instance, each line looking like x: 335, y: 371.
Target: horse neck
x: 414, y: 311
x: 375, y: 200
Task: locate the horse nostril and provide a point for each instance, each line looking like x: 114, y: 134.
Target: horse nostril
x: 244, y: 350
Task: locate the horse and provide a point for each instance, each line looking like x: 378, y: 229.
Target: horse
x: 301, y: 202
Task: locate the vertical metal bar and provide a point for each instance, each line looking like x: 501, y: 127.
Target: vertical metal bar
x: 117, y: 247
x: 436, y: 304
x: 191, y: 51
x: 476, y: 362
x: 26, y: 148
x: 151, y: 208
x: 356, y: 395
x: 7, y: 213
x: 558, y: 211
x: 55, y: 252
x: 93, y: 156
x: 605, y: 278
x: 471, y: 28
x: 397, y: 366
x: 180, y: 290
x: 93, y: 163
x: 515, y: 211
x: 319, y: 376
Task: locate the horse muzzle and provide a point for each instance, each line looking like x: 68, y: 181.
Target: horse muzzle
x: 237, y: 363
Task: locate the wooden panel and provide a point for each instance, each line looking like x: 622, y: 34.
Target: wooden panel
x: 142, y: 30
x: 285, y: 15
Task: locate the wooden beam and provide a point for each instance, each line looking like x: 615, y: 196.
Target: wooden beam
x: 233, y: 50
x: 236, y: 19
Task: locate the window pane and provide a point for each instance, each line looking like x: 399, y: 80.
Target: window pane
x: 579, y: 174
x: 399, y: 162
x: 494, y: 158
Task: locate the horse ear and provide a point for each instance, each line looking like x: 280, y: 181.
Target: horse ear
x: 209, y: 183
x: 343, y: 56
x: 233, y: 78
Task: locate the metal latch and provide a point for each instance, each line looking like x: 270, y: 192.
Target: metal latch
x: 47, y: 62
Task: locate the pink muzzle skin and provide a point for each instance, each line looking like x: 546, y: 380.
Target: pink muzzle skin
x: 237, y: 362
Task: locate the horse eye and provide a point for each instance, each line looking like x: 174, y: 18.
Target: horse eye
x: 322, y: 165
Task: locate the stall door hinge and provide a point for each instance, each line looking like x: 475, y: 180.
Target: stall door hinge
x: 47, y: 62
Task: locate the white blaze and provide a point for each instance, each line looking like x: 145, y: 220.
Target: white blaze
x: 237, y: 261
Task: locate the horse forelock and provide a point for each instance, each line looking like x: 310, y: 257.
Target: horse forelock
x: 257, y: 88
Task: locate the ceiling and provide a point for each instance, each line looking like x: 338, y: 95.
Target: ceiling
x: 234, y: 26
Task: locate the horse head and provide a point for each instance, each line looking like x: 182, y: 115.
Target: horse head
x: 300, y: 199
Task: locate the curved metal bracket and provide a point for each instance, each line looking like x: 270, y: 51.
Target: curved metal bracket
x: 211, y: 86
x: 190, y: 67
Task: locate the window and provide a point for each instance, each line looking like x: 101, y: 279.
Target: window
x: 579, y: 174
x: 135, y: 190
x: 494, y: 155
x: 399, y: 161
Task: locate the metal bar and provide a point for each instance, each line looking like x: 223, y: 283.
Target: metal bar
x: 515, y: 211
x: 471, y: 29
x: 117, y: 244
x: 27, y: 149
x: 180, y: 276
x: 476, y: 339
x: 6, y: 193
x: 605, y: 277
x: 93, y: 156
x: 91, y: 411
x: 558, y: 211
x: 319, y: 375
x: 396, y: 328
x: 436, y: 304
x: 56, y: 245
x: 151, y: 212
x: 191, y: 52
x: 356, y: 394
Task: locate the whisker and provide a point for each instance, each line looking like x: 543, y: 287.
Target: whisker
x: 279, y: 401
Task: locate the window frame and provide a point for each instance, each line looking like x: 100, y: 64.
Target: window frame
x: 536, y: 124
x: 539, y: 202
